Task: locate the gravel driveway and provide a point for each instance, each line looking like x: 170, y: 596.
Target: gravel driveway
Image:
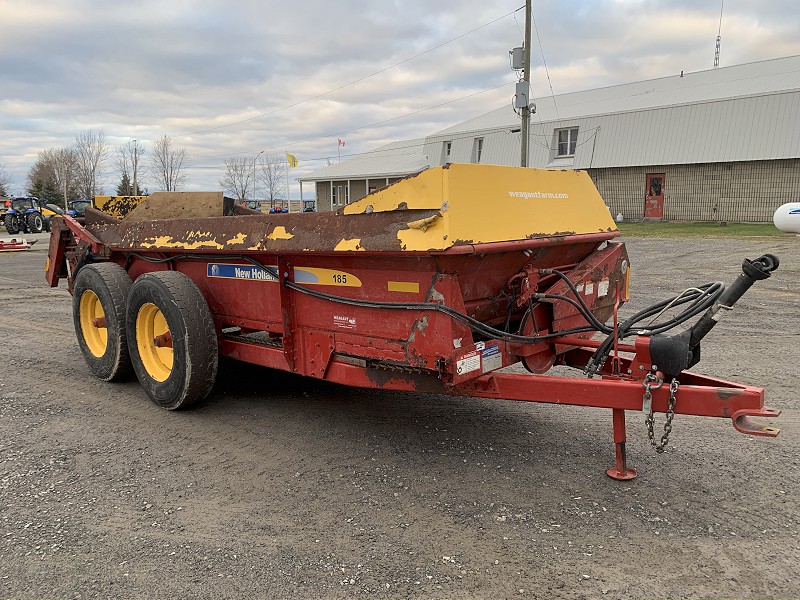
x: 284, y: 487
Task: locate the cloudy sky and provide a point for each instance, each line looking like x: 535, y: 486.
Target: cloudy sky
x: 230, y: 79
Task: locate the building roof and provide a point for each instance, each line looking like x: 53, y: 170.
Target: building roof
x: 739, y: 81
x: 396, y: 159
x: 746, y: 112
x: 739, y: 113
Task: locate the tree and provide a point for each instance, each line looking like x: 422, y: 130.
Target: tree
x: 125, y: 187
x: 130, y: 163
x: 238, y: 178
x: 272, y: 171
x: 167, y: 163
x: 53, y: 177
x: 44, y: 189
x: 91, y: 152
x: 65, y: 171
x: 5, y: 181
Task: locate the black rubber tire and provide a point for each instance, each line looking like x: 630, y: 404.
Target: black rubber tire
x: 35, y: 223
x: 194, y: 338
x: 111, y: 284
x: 9, y: 223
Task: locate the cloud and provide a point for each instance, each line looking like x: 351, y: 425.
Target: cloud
x: 232, y: 79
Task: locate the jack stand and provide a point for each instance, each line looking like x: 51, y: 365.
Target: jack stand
x: 620, y: 470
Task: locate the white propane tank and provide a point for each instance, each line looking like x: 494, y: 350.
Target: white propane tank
x: 787, y: 217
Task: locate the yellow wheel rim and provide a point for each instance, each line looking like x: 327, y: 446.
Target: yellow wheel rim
x: 93, y: 325
x: 157, y: 360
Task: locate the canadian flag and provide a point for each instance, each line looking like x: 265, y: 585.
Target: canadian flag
x: 341, y: 141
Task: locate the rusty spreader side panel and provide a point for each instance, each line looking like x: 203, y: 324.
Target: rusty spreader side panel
x: 295, y: 232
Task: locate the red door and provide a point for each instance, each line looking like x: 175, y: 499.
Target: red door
x: 654, y: 200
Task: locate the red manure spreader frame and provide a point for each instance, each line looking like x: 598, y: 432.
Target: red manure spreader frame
x: 433, y: 284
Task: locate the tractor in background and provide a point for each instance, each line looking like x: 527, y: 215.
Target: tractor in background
x: 25, y: 215
x: 77, y: 208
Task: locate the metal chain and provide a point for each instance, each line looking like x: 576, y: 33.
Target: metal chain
x: 650, y: 421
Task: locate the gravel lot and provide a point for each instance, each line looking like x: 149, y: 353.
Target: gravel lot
x: 282, y: 487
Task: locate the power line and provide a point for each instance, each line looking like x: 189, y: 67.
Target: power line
x: 359, y: 80
x: 546, y: 70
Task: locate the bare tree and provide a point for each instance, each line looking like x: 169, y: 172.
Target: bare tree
x: 272, y: 172
x: 167, y: 163
x: 130, y: 165
x: 63, y: 165
x: 238, y: 178
x: 91, y: 151
x: 5, y: 181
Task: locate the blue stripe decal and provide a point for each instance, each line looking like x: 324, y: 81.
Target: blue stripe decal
x: 246, y: 272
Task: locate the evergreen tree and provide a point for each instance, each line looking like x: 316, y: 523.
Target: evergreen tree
x: 125, y: 187
x: 45, y: 191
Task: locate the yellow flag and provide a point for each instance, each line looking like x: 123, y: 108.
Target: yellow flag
x: 291, y: 159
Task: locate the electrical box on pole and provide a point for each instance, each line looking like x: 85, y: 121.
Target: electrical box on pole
x: 522, y: 97
x: 517, y: 58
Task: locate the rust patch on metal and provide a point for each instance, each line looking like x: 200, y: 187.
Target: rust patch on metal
x: 728, y: 393
x: 415, y: 358
x: 93, y: 216
x: 296, y: 232
x: 421, y: 382
x: 419, y: 325
x: 558, y: 235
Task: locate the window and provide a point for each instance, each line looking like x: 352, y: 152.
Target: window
x: 477, y: 150
x: 340, y: 194
x: 446, y: 148
x: 567, y: 141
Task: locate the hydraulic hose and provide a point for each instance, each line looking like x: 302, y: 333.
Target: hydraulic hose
x: 711, y: 297
x: 752, y: 271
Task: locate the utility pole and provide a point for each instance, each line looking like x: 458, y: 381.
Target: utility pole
x: 135, y: 166
x: 719, y: 35
x: 254, y: 173
x: 526, y: 78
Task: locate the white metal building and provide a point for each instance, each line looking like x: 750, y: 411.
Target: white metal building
x: 344, y: 182
x: 721, y: 144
